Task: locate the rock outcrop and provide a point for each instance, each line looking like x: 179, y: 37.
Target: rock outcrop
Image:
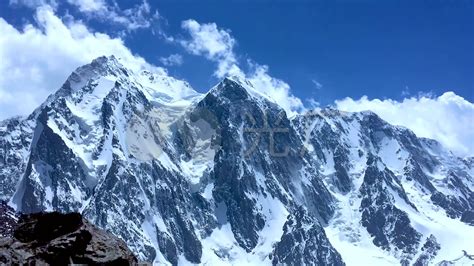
x: 62, y: 239
x: 8, y: 220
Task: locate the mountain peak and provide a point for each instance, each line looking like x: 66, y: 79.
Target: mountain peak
x: 102, y: 65
x: 236, y: 88
x: 155, y: 83
x: 105, y: 59
x: 231, y: 88
x: 238, y: 80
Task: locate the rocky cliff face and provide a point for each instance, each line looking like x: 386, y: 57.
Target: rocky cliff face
x: 8, y: 220
x: 55, y: 238
x: 227, y: 177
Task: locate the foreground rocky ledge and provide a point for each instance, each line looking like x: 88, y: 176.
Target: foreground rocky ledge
x: 61, y: 239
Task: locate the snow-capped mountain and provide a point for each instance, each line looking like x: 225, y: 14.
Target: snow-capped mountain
x: 227, y: 177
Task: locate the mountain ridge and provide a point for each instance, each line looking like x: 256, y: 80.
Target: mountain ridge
x: 228, y: 177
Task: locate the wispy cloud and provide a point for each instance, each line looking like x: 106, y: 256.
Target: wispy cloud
x: 217, y: 45
x: 316, y: 84
x: 137, y: 17
x: 90, y: 6
x: 172, y: 60
x: 140, y: 16
x: 312, y: 103
x: 406, y: 91
x: 34, y: 3
x: 213, y: 43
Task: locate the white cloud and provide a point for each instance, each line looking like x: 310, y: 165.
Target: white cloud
x: 172, y: 60
x: 448, y: 118
x: 137, y: 17
x: 35, y: 61
x: 217, y: 45
x: 317, y: 84
x: 275, y: 89
x: 406, y: 92
x: 312, y: 103
x: 34, y: 3
x: 89, y: 5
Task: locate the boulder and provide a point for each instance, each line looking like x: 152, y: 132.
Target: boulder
x: 61, y: 239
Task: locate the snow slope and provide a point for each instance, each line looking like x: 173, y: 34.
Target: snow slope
x: 228, y: 178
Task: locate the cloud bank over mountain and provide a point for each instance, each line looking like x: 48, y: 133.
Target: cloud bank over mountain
x: 448, y: 118
x: 37, y: 58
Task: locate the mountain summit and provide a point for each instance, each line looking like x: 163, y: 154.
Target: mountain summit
x: 227, y: 177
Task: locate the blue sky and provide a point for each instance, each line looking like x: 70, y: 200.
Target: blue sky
x: 411, y: 62
x: 351, y: 48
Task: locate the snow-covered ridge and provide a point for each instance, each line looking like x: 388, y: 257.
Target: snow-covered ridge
x: 169, y: 170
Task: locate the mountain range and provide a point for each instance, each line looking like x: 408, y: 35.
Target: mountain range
x: 229, y: 177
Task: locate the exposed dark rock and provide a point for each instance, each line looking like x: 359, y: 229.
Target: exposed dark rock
x: 304, y: 243
x: 383, y: 220
x: 468, y: 217
x: 61, y: 239
x: 429, y: 251
x: 8, y: 220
